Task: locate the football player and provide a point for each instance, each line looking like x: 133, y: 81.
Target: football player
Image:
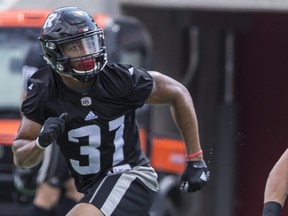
x: 87, y: 107
x: 276, y: 187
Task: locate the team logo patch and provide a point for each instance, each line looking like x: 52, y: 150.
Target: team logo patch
x: 86, y: 101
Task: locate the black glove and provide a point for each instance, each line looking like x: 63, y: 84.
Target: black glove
x: 194, y: 177
x: 52, y: 128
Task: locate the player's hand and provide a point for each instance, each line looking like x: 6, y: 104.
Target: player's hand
x: 52, y: 128
x: 194, y: 177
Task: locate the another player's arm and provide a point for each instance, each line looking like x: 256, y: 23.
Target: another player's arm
x: 168, y: 91
x: 276, y: 186
x: 25, y: 151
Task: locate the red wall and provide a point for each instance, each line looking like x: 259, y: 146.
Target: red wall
x: 262, y: 92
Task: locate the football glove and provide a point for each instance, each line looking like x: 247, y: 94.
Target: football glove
x: 52, y: 128
x: 194, y: 177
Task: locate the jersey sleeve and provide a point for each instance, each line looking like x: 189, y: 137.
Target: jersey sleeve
x: 32, y: 106
x: 133, y: 85
x: 27, y: 72
x: 142, y: 84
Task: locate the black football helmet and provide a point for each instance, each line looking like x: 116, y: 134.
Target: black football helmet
x: 73, y: 25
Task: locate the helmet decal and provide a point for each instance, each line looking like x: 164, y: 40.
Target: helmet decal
x: 49, y: 21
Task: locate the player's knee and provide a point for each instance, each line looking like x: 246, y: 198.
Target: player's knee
x: 85, y: 209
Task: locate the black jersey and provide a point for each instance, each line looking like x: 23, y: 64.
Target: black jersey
x: 102, y: 131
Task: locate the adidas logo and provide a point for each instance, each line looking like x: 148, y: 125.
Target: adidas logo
x: 204, y: 177
x: 90, y: 116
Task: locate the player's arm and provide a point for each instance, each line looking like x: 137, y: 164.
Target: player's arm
x: 25, y: 151
x: 33, y: 138
x: 276, y: 188
x: 168, y: 91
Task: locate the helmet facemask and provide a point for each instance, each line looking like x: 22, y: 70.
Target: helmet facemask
x: 88, y: 56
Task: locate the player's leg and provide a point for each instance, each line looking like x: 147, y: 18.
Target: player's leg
x: 85, y: 209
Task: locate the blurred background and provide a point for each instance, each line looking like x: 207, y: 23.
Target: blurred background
x: 232, y: 56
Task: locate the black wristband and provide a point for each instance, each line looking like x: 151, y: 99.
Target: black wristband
x: 272, y: 209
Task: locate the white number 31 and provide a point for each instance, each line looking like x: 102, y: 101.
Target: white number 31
x: 93, y: 132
